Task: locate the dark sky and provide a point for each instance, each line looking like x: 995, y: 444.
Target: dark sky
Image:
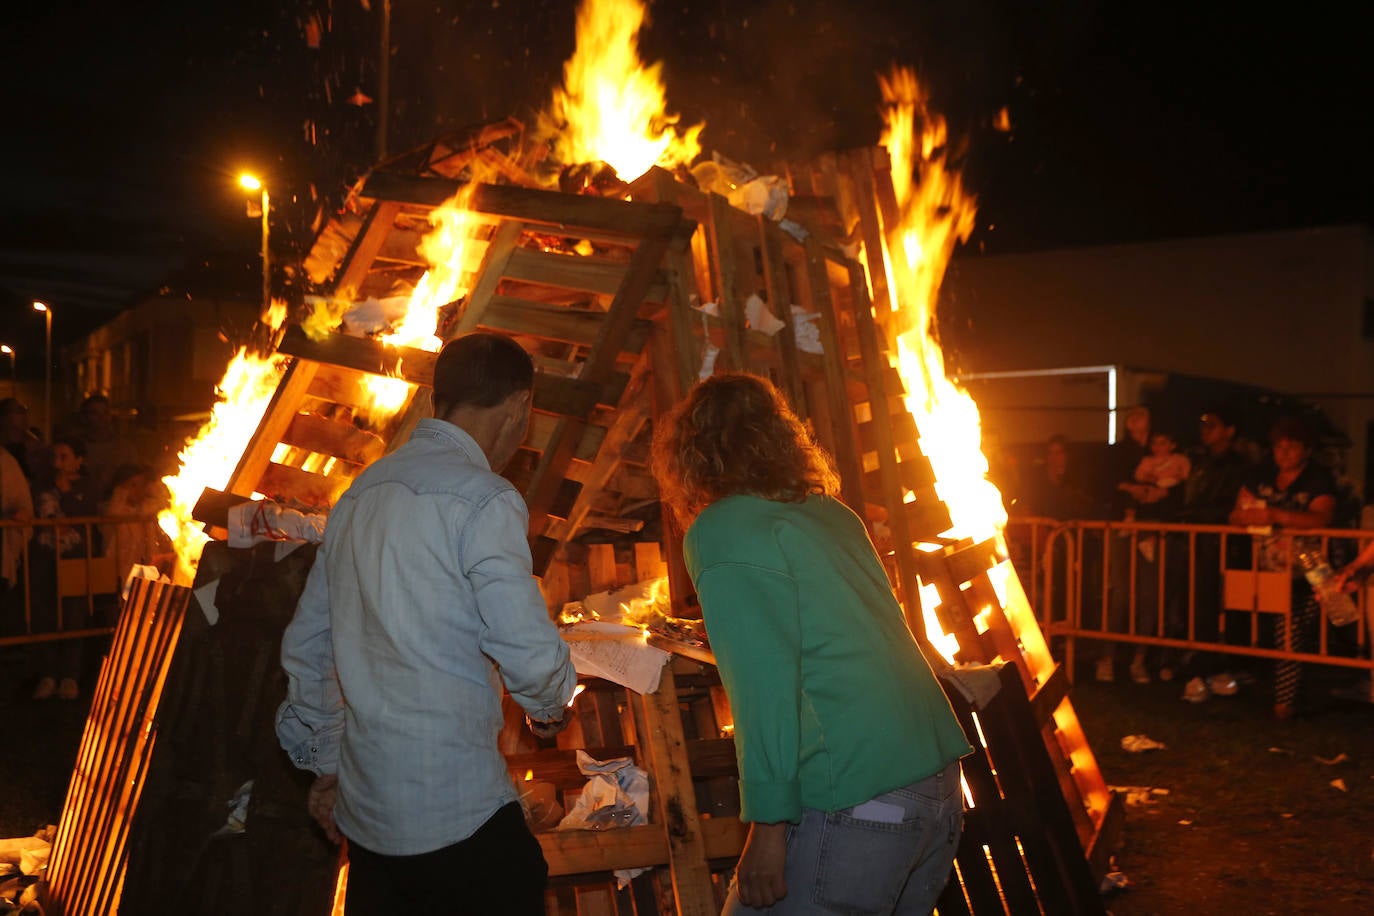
x: 1130, y: 121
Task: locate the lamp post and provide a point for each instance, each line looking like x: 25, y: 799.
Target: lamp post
x: 7, y: 350
x: 253, y: 183
x: 47, y: 368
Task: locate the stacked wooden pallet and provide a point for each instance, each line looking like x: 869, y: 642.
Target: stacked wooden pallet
x: 608, y: 295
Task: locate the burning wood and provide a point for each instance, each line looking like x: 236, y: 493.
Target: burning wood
x: 611, y: 108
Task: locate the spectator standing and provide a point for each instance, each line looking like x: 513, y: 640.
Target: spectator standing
x: 106, y: 448
x: 133, y: 492
x: 1219, y: 469
x: 21, y: 442
x: 70, y: 495
x: 1053, y: 490
x: 1123, y: 457
x: 1131, y: 552
x: 16, y: 505
x: 1294, y: 494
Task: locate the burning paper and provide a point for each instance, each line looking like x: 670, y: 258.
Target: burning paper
x: 617, y: 653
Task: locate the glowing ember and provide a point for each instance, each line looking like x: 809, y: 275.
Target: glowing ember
x: 209, y: 459
x: 611, y: 106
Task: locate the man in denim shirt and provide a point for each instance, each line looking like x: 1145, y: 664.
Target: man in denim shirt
x: 420, y: 604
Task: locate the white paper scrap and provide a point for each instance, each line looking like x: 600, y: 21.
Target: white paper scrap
x: 617, y: 653
x: 205, y: 597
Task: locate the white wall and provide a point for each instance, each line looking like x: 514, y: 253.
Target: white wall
x: 1278, y: 309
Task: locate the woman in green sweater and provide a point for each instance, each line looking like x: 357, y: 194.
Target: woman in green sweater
x: 848, y: 749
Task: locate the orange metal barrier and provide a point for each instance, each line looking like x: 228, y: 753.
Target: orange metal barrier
x: 1157, y: 584
x: 35, y: 608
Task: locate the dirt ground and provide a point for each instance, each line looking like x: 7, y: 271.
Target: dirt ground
x: 1253, y: 821
x: 1244, y: 817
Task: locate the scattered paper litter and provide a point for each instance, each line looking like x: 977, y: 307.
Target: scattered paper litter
x: 1280, y: 750
x: 1332, y: 761
x: 1185, y: 823
x: 1135, y: 744
x: 1339, y: 784
x: 616, y: 795
x: 1113, y: 881
x: 1139, y: 795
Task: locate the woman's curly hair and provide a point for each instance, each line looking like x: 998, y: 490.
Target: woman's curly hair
x: 735, y: 433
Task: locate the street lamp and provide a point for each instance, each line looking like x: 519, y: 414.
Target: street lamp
x: 47, y: 368
x: 7, y: 350
x: 253, y: 183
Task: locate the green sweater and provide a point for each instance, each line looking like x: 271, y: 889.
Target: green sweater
x: 832, y: 699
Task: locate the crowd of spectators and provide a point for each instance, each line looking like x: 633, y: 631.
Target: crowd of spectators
x: 88, y: 471
x: 1148, y: 478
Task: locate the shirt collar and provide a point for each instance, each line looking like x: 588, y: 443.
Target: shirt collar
x: 454, y: 436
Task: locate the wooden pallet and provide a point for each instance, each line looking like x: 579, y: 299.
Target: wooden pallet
x: 90, y: 852
x: 618, y: 340
x: 581, y: 315
x: 981, y: 601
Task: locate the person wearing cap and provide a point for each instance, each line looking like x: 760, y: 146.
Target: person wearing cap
x: 419, y: 607
x: 1218, y: 471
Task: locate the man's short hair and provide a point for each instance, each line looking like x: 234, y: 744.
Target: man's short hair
x: 480, y: 369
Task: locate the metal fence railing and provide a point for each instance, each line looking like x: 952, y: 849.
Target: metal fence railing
x: 67, y: 574
x: 1185, y: 588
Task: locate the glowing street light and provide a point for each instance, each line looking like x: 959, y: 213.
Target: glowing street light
x: 7, y: 350
x: 251, y: 182
x: 47, y: 368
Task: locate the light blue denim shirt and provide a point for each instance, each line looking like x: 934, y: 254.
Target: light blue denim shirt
x: 420, y: 603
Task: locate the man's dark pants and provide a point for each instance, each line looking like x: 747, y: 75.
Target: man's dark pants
x: 499, y: 869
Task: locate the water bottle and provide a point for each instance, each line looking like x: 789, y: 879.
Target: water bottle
x: 1340, y: 609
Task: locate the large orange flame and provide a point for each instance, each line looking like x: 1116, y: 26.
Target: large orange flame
x: 611, y: 107
x: 935, y: 213
x: 209, y: 459
x: 448, y: 249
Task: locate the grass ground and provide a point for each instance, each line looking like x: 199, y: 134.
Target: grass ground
x: 1249, y: 821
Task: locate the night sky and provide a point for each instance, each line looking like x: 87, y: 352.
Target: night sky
x: 1130, y: 121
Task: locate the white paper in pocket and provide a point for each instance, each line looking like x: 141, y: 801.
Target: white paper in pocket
x: 880, y: 812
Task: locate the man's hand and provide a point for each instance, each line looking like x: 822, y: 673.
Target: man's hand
x: 759, y: 876
x: 324, y: 791
x: 549, y: 729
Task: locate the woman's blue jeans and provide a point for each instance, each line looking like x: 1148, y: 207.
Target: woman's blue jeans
x: 891, y: 854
